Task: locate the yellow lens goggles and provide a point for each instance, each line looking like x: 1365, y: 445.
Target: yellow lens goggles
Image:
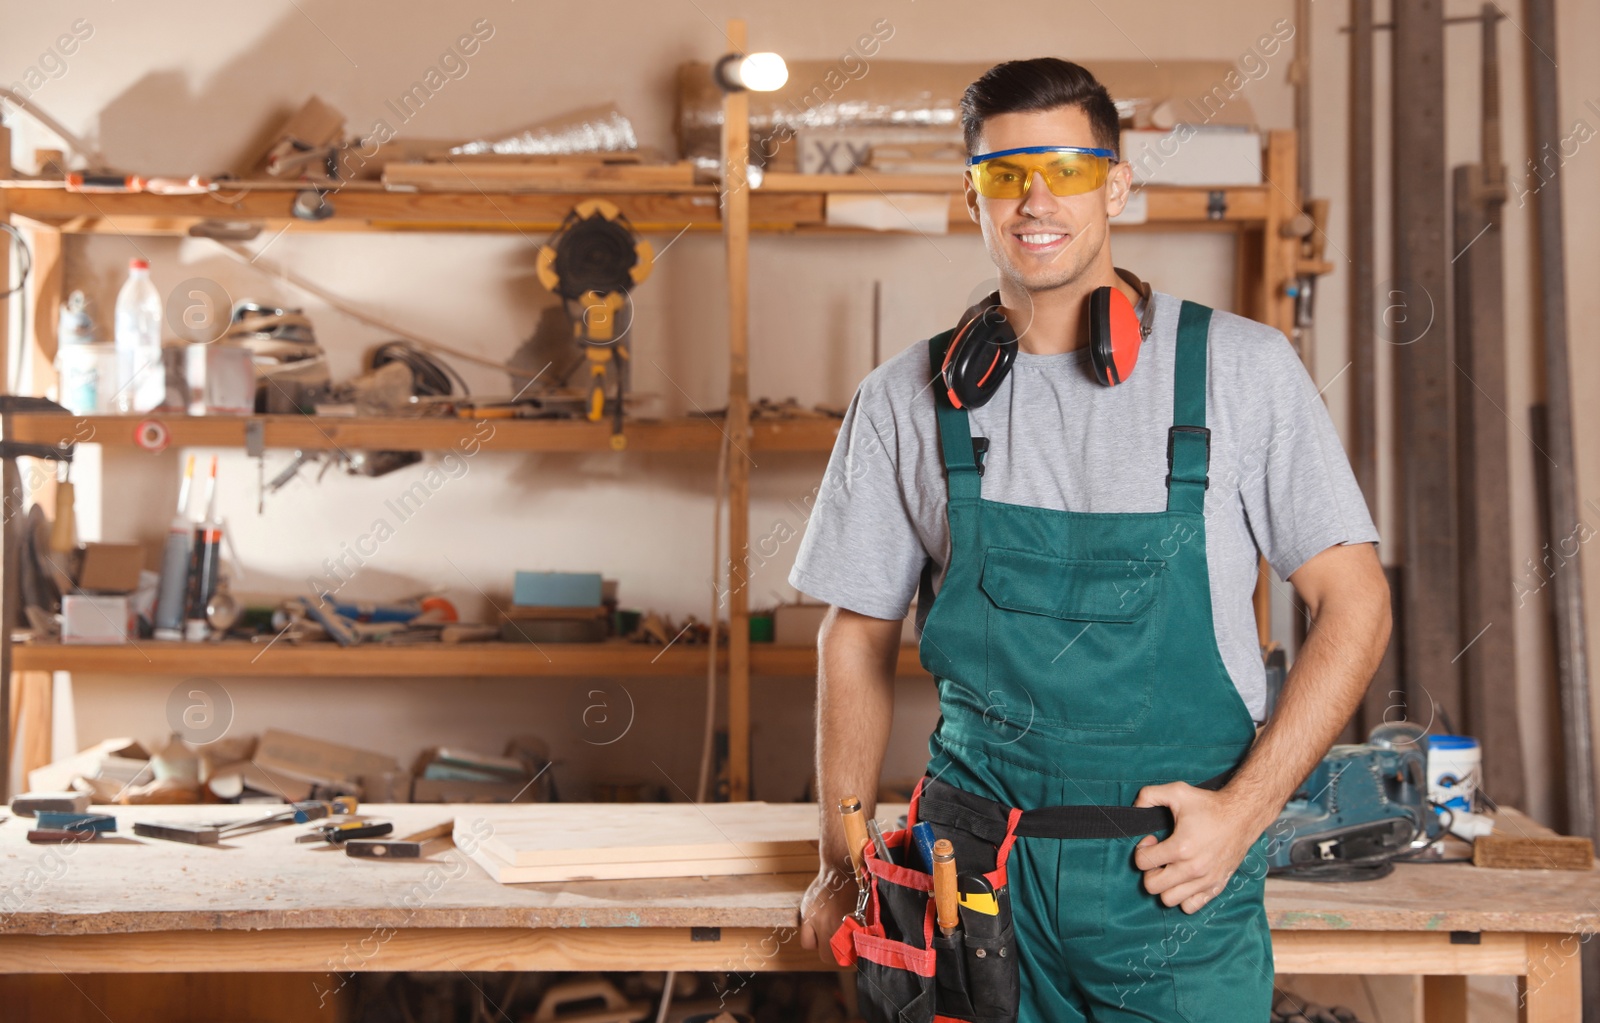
x: 1067, y: 170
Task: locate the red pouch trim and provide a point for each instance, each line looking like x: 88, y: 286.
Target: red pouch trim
x: 894, y: 873
x: 896, y: 955
x: 997, y: 876
x: 843, y: 941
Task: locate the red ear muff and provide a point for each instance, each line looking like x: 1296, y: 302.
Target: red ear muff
x: 979, y: 356
x: 1114, y: 335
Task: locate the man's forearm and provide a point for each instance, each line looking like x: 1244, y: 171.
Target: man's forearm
x: 855, y: 704
x: 1328, y: 680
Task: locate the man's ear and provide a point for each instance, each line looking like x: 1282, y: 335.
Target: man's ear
x: 1119, y: 186
x: 971, y: 195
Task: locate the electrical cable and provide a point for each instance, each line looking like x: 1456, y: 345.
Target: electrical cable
x: 430, y: 377
x: 24, y: 258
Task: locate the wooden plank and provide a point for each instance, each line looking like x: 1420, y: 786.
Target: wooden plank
x: 1444, y: 999
x: 1396, y: 952
x: 331, y: 953
x: 594, y: 833
x: 736, y: 238
x: 1483, y: 473
x: 32, y: 716
x: 507, y: 873
x: 1521, y: 843
x: 449, y: 176
x: 1418, y: 317
x: 239, y: 659
x: 1363, y: 348
x: 1558, y: 450
x: 690, y: 434
x: 1550, y: 989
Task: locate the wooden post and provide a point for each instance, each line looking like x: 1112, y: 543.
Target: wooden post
x: 10, y: 489
x: 1419, y: 327
x: 1363, y: 345
x: 736, y: 237
x: 1489, y: 664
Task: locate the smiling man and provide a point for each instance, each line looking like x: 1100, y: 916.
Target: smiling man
x: 1086, y: 556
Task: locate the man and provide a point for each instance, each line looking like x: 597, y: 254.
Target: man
x: 1092, y: 634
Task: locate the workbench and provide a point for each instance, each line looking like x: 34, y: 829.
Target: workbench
x: 123, y: 904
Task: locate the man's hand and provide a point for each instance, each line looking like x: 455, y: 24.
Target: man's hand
x: 1211, y: 834
x: 831, y: 898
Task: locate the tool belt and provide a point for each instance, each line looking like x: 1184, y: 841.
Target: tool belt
x: 908, y: 971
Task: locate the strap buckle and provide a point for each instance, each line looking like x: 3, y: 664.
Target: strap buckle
x: 1172, y: 436
x: 980, y: 450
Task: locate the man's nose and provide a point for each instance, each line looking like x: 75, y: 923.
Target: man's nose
x: 1039, y: 196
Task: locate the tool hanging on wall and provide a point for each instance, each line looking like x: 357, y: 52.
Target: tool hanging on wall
x: 592, y: 261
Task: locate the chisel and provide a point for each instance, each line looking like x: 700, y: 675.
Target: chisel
x: 855, y: 838
x: 945, y: 893
x: 407, y: 848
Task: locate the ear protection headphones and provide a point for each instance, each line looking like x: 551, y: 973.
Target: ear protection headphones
x: 984, y: 346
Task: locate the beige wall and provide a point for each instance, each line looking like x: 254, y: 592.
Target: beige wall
x: 187, y: 87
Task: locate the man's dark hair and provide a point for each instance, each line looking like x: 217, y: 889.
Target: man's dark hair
x: 1042, y: 83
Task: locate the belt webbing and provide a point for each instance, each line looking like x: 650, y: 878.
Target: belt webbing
x: 941, y: 803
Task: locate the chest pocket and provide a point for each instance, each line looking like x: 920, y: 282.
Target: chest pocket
x: 1072, y: 643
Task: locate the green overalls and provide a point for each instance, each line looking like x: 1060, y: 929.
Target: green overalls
x: 1076, y: 663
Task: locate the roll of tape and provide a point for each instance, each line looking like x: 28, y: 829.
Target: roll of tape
x: 152, y: 435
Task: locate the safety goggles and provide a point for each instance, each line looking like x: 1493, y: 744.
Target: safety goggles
x: 1067, y: 170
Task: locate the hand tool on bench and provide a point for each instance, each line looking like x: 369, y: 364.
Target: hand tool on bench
x: 855, y: 837
x: 58, y: 836
x: 408, y: 847
x: 69, y: 821
x: 211, y: 832
x: 336, y: 834
x: 946, y: 893
x: 30, y: 803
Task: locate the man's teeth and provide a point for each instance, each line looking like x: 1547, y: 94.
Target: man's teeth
x: 1041, y: 239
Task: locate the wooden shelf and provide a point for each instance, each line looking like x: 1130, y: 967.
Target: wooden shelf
x: 236, y: 658
x: 783, y: 203
x: 696, y: 434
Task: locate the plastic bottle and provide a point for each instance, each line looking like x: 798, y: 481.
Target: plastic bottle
x: 77, y: 356
x: 141, y: 377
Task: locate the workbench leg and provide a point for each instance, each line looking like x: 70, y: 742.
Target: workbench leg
x: 1444, y: 999
x: 1552, y: 990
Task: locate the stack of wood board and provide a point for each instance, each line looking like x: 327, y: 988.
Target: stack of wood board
x: 610, y: 841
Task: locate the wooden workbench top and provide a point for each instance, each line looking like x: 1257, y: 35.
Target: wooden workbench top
x: 123, y: 884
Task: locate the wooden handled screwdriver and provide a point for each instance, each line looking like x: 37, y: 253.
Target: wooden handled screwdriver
x: 945, y: 892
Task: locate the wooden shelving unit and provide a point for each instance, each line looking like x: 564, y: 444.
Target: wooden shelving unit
x: 1268, y: 259
x: 238, y: 659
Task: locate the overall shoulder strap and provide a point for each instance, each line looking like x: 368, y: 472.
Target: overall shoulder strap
x: 961, y: 468
x: 1189, y: 440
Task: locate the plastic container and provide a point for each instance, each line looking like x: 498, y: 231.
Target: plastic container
x: 78, y: 357
x: 1454, y: 763
x: 141, y: 375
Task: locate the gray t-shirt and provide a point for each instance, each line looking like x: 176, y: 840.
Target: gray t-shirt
x: 1281, y: 484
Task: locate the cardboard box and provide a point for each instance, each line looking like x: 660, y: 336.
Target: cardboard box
x: 111, y: 567
x: 1204, y: 157
x: 557, y: 589
x: 86, y: 618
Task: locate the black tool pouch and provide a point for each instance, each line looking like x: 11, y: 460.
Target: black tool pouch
x: 907, y: 970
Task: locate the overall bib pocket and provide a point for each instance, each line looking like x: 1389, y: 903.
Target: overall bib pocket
x: 1071, y: 642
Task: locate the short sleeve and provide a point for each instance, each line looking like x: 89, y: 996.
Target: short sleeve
x: 1300, y: 496
x: 861, y: 550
